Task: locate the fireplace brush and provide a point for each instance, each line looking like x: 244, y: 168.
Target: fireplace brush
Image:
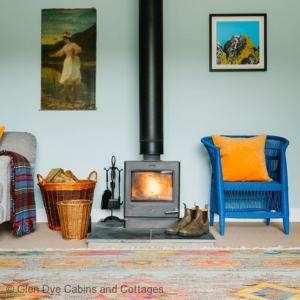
x: 106, y: 194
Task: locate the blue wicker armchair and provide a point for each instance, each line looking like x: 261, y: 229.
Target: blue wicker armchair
x: 251, y: 200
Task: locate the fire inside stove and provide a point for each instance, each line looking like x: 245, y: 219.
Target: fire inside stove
x: 151, y: 186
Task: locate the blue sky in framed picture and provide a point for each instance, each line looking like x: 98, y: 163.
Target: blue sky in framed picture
x: 227, y: 29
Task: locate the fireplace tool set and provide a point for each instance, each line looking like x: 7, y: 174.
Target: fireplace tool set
x: 109, y: 199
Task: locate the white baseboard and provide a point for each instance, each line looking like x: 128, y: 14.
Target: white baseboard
x: 295, y: 214
x: 294, y: 217
x: 41, y: 216
x: 97, y: 214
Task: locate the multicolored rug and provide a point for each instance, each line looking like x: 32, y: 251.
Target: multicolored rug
x: 212, y: 274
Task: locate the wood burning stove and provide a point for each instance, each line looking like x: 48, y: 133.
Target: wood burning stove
x: 151, y: 194
x: 151, y: 197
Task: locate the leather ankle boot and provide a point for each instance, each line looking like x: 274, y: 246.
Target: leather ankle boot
x: 198, y: 226
x: 189, y: 215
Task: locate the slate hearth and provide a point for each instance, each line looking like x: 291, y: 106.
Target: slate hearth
x: 106, y: 232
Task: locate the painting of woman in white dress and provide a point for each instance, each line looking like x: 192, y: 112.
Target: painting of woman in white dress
x: 68, y: 59
x: 71, y: 68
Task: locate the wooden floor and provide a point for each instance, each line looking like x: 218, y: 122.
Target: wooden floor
x: 249, y: 235
x: 252, y: 235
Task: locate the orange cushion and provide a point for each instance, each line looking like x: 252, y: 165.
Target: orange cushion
x: 243, y: 159
x: 1, y: 130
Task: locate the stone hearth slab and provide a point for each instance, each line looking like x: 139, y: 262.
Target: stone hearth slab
x: 106, y: 233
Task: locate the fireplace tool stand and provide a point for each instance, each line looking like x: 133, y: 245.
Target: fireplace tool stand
x: 113, y: 203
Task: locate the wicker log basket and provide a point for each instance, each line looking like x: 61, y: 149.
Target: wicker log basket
x: 52, y: 193
x: 74, y: 218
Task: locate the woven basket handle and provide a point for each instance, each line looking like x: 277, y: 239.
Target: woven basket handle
x: 95, y: 176
x: 40, y: 178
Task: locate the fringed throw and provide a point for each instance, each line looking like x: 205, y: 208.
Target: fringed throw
x: 22, y: 211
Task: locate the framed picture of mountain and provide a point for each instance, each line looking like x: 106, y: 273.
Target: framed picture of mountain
x: 68, y: 71
x: 238, y: 42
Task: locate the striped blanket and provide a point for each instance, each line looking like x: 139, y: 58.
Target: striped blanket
x: 23, y: 214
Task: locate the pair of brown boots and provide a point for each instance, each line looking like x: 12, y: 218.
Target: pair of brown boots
x: 193, y: 224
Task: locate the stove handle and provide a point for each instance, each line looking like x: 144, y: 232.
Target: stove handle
x: 171, y: 212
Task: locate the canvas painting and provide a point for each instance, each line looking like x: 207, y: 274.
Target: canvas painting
x: 68, y: 59
x: 238, y: 42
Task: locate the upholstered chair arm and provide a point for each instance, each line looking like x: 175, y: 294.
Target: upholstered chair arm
x: 5, y: 193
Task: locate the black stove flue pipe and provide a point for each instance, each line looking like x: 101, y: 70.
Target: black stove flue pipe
x: 151, y: 78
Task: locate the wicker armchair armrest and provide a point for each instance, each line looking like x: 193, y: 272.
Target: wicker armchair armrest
x: 283, y: 164
x: 215, y: 158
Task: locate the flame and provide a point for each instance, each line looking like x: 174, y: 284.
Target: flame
x: 152, y: 186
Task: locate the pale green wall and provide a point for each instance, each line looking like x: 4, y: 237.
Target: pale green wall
x: 197, y: 102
